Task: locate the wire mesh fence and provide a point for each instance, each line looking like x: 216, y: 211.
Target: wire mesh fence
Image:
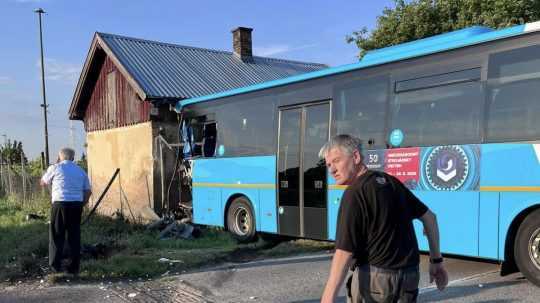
x: 18, y: 185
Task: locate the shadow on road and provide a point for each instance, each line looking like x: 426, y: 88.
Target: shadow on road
x: 339, y: 300
x: 456, y: 292
x: 292, y: 260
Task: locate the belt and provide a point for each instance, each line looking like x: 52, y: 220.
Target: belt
x: 371, y: 268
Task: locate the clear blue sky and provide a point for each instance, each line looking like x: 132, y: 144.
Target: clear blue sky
x: 305, y: 30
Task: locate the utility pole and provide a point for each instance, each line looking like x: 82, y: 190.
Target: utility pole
x: 71, y: 135
x: 40, y: 11
x: 3, y: 178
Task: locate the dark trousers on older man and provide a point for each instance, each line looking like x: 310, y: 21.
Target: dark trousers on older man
x: 369, y: 284
x: 65, y: 221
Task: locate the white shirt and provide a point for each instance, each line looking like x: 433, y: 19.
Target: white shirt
x: 68, y: 180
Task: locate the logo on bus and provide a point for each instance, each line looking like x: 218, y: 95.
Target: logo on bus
x: 446, y: 168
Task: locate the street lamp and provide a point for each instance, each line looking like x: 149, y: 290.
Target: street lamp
x: 40, y: 11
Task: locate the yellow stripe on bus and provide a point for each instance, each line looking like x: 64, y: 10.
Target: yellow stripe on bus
x: 233, y: 185
x: 343, y: 187
x: 509, y: 188
x: 335, y: 186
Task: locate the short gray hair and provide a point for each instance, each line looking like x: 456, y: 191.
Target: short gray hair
x: 346, y: 143
x: 67, y: 153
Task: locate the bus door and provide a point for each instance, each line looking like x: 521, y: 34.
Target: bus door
x: 302, y: 179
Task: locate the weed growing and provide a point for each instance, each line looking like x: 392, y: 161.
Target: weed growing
x: 129, y: 250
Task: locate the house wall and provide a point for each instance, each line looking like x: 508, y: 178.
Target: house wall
x: 171, y: 184
x: 113, y: 102
x: 130, y: 149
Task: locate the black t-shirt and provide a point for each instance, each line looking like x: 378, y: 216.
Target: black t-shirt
x: 375, y: 222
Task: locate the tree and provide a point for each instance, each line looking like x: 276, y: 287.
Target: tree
x: 412, y: 20
x: 34, y: 167
x: 13, y: 152
x: 83, y: 163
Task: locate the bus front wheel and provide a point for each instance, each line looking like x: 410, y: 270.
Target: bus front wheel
x: 240, y: 220
x: 527, y: 247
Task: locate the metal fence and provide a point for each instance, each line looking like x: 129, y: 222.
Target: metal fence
x: 17, y: 183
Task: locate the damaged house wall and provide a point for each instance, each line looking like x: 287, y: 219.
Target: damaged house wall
x: 130, y: 149
x: 124, y: 94
x: 121, y: 133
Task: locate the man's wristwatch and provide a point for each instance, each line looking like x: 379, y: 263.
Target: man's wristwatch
x: 436, y: 260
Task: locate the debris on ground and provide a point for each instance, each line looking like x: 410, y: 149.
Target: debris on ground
x: 34, y: 217
x: 95, y: 251
x: 118, y: 215
x: 148, y: 215
x: 178, y: 230
x: 159, y: 224
x: 166, y: 260
x: 171, y: 228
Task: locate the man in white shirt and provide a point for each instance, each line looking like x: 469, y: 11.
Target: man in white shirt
x: 70, y: 190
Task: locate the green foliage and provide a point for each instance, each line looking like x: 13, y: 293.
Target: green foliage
x: 12, y: 152
x: 131, y: 250
x: 23, y: 244
x: 412, y: 20
x: 34, y: 168
x: 83, y: 163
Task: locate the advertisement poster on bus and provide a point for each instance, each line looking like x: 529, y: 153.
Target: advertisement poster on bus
x: 450, y: 168
x: 442, y: 168
x: 404, y: 163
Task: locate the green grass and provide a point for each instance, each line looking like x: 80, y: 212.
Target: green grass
x: 132, y: 250
x: 297, y: 247
x: 23, y: 244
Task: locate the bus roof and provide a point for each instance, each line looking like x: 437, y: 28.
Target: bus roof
x: 439, y: 43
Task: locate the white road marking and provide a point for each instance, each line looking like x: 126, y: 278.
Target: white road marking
x: 427, y: 289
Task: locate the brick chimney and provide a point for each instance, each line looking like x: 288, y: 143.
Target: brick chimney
x: 242, y: 43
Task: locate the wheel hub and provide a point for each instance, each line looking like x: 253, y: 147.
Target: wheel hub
x: 534, y: 248
x: 242, y: 221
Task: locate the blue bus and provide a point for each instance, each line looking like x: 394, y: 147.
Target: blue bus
x: 456, y: 117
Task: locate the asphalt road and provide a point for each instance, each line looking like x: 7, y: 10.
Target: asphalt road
x: 302, y: 280
x: 297, y: 279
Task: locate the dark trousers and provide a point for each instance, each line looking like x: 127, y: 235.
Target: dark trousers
x: 65, y: 219
x: 369, y: 284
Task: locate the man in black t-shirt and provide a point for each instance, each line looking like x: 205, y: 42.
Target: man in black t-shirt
x: 375, y: 234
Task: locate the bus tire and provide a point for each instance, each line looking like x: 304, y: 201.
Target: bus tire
x: 527, y: 247
x: 241, y: 221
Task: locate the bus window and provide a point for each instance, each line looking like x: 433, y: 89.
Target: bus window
x: 209, y: 139
x: 360, y: 110
x: 513, y: 95
x: 200, y: 137
x: 246, y: 128
x: 438, y: 115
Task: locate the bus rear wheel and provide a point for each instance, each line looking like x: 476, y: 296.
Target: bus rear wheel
x: 241, y: 221
x: 527, y: 247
